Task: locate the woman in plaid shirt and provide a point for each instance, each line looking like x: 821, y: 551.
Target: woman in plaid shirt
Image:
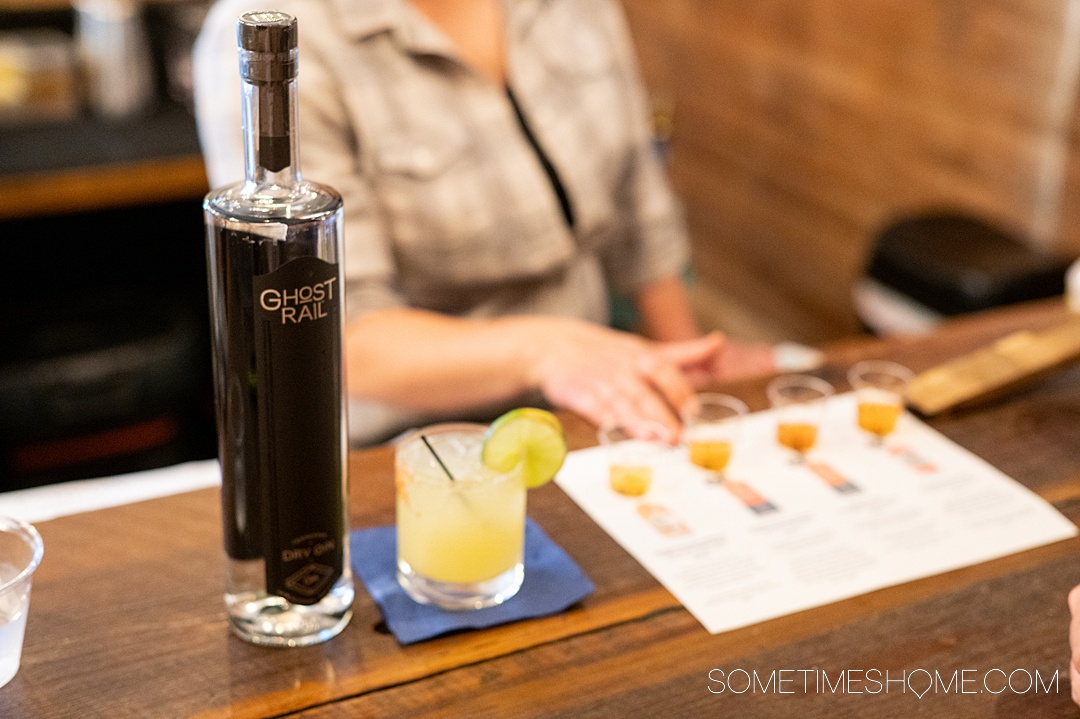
x: 496, y: 166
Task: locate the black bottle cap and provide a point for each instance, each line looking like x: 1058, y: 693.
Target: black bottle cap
x: 266, y: 31
x: 268, y: 51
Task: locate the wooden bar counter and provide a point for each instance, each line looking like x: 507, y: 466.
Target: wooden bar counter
x: 127, y: 618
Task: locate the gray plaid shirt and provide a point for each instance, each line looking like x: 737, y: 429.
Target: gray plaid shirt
x: 447, y: 206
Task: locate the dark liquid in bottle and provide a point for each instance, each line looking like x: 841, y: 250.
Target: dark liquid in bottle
x: 279, y: 404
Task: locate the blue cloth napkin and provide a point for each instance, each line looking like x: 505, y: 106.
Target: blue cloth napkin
x: 552, y: 583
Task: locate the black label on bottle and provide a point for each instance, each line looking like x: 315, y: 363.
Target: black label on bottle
x: 298, y: 364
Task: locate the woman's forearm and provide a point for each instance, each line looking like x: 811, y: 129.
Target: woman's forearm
x: 431, y: 362
x: 665, y: 311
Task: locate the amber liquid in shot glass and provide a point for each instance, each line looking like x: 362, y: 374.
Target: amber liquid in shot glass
x: 879, y: 386
x: 630, y: 480
x: 711, y: 426
x: 878, y: 418
x: 798, y: 436
x: 630, y: 458
x: 799, y: 403
x: 712, y: 455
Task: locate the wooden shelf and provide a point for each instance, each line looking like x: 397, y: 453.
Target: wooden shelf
x: 33, y: 5
x: 101, y: 187
x: 96, y: 164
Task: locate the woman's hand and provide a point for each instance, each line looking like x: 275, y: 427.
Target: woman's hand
x: 666, y: 313
x: 737, y: 360
x: 433, y: 363
x: 607, y: 376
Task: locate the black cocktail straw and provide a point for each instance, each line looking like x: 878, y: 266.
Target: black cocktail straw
x: 437, y: 458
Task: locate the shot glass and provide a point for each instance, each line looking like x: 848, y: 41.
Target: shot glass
x: 20, y: 553
x: 879, y: 390
x: 710, y: 427
x: 460, y: 525
x: 631, y: 460
x: 799, y: 401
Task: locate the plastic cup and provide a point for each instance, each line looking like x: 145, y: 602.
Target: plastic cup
x: 631, y: 460
x: 799, y: 402
x: 21, y: 549
x: 879, y: 390
x: 711, y: 426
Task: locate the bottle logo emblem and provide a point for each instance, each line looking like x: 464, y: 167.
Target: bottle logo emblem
x: 311, y: 581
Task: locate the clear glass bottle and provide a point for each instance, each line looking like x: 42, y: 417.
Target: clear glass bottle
x: 276, y: 296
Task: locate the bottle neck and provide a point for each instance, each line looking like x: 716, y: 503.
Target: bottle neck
x: 271, y: 147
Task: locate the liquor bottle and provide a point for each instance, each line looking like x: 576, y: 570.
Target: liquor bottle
x: 275, y: 281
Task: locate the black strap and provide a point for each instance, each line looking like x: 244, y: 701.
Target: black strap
x: 553, y: 176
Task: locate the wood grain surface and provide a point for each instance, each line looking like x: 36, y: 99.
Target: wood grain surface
x: 801, y: 129
x: 127, y: 618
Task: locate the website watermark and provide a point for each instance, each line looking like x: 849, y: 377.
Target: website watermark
x: 919, y: 682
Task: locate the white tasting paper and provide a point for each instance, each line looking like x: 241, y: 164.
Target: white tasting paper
x: 778, y: 537
x: 39, y: 504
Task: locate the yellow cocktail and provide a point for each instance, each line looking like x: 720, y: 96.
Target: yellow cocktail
x: 460, y: 525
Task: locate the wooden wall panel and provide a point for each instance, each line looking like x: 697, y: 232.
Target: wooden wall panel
x: 1067, y: 225
x: 803, y: 126
x: 1064, y: 224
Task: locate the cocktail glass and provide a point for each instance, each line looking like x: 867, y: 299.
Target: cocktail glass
x: 460, y: 525
x: 710, y: 427
x: 879, y: 391
x: 21, y: 549
x: 631, y: 459
x: 799, y: 401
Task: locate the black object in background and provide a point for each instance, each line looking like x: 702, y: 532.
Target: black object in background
x: 104, y: 361
x: 953, y: 263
